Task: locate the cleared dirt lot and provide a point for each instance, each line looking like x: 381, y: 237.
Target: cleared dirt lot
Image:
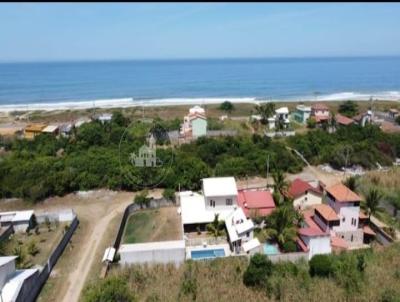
x: 99, y: 213
x: 153, y: 225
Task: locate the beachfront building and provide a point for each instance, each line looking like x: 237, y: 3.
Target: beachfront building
x: 105, y: 118
x: 20, y: 220
x: 280, y: 120
x: 194, y: 124
x: 66, y: 129
x: 302, y: 113
x: 33, y: 130
x: 393, y: 113
x: 320, y: 113
x: 51, y: 129
x: 13, y: 280
x: 346, y: 205
x: 342, y: 120
x: 304, y: 194
x: 363, y: 118
x: 312, y: 238
x: 256, y: 203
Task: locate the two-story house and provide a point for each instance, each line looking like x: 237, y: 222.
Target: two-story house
x: 194, y: 124
x: 346, y: 205
x: 320, y: 113
x: 304, y: 194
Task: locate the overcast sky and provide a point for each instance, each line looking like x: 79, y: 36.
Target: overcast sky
x: 48, y: 32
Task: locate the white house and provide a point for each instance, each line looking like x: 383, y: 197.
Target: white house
x: 346, y: 205
x: 12, y: 280
x: 304, y: 194
x: 240, y: 229
x: 105, y: 117
x: 194, y: 124
x: 20, y: 220
x: 281, y: 116
x: 302, y: 113
x: 220, y: 192
x: 220, y: 197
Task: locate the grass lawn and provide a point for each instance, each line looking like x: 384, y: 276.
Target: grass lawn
x: 153, y: 225
x: 44, y: 243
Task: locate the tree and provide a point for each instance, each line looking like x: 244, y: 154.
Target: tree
x: 280, y: 184
x: 112, y: 288
x: 321, y: 265
x: 216, y: 228
x: 348, y: 108
x: 169, y: 194
x: 311, y: 123
x: 280, y: 225
x: 259, y: 269
x: 119, y: 119
x: 227, y: 107
x: 352, y: 183
x: 265, y: 110
x: 372, y: 200
x: 141, y: 199
x: 397, y: 120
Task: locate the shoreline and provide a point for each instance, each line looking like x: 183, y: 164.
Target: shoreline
x: 131, y: 102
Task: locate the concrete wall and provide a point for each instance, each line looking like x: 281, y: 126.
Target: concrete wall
x: 162, y: 255
x: 33, y: 285
x: 355, y: 237
x: 307, y: 200
x: 317, y: 245
x: 293, y: 257
x: 346, y: 211
x: 6, y: 270
x: 6, y: 233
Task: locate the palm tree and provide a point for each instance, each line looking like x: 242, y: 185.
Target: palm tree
x: 281, y: 224
x: 216, y: 228
x: 372, y: 200
x: 352, y: 183
x: 280, y: 184
x: 265, y: 110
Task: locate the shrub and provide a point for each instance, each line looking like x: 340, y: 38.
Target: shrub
x: 289, y: 247
x: 259, y: 269
x: 169, y: 194
x: 110, y: 289
x: 142, y: 200
x: 189, y: 283
x: 32, y: 248
x: 321, y: 265
x: 311, y: 123
x: 227, y: 106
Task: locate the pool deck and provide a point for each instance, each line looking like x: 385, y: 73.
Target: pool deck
x: 225, y: 247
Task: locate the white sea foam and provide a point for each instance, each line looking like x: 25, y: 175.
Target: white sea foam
x: 131, y: 102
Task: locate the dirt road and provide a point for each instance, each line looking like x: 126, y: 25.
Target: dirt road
x: 77, y: 278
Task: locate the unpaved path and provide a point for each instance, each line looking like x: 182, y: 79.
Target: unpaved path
x: 77, y: 278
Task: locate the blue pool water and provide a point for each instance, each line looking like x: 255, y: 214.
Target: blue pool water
x: 207, y: 254
x: 270, y: 249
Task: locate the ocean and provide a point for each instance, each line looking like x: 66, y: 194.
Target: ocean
x: 124, y: 83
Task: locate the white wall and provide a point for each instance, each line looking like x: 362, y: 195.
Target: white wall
x: 320, y: 245
x: 307, y: 200
x: 346, y: 211
x: 220, y: 202
x: 5, y: 271
x: 199, y: 127
x: 21, y: 226
x: 151, y: 255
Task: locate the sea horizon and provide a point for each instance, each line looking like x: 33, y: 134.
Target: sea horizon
x: 131, y: 82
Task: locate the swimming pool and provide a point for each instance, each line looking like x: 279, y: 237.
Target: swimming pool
x: 207, y: 254
x: 270, y: 249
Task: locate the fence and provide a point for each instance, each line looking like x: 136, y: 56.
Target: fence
x: 6, y: 233
x: 293, y: 257
x: 31, y: 289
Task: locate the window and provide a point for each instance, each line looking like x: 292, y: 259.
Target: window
x: 212, y: 203
x: 228, y: 201
x: 351, y: 239
x: 248, y: 234
x: 344, y: 218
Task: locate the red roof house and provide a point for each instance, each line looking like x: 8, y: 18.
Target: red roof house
x: 259, y: 203
x: 304, y: 194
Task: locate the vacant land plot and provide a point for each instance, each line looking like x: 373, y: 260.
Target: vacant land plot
x: 153, y: 225
x: 34, y: 248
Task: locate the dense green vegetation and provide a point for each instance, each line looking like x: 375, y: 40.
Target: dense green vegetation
x: 348, y: 108
x: 364, y: 275
x: 97, y: 156
x: 349, y: 145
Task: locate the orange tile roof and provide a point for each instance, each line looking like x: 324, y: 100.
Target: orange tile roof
x: 341, y: 193
x: 338, y: 242
x: 298, y: 188
x: 327, y: 212
x: 362, y: 215
x: 343, y: 120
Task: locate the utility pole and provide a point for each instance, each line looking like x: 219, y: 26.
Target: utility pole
x: 267, y: 169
